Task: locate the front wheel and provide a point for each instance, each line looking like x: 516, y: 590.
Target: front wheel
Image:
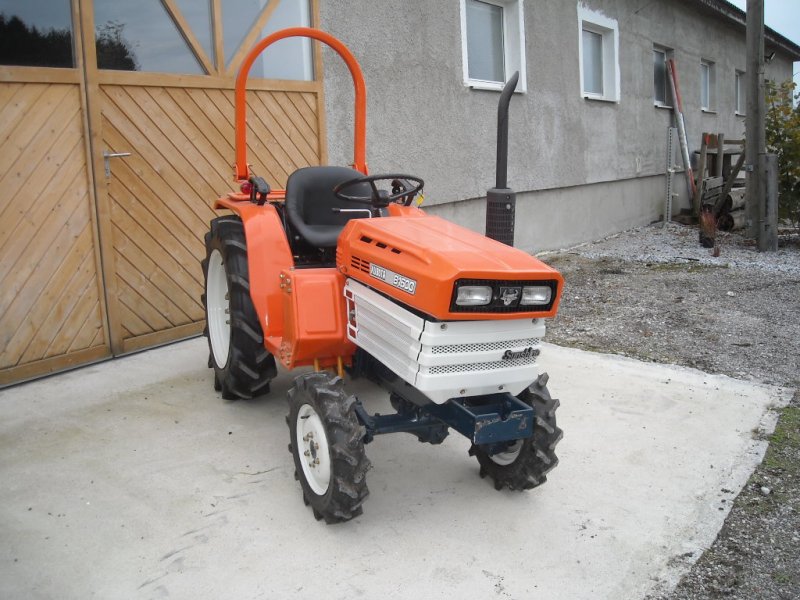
x: 525, y: 463
x: 327, y: 444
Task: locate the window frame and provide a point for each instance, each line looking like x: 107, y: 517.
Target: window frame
x: 711, y: 105
x: 668, y: 53
x: 740, y: 93
x: 513, y: 46
x: 608, y: 28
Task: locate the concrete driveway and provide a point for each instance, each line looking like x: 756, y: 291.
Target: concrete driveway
x: 133, y: 479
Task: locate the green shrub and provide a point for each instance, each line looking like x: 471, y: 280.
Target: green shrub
x: 783, y: 139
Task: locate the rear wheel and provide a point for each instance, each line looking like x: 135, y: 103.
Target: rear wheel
x: 525, y: 463
x: 242, y: 366
x: 327, y: 444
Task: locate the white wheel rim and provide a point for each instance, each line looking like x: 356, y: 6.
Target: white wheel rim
x: 313, y: 451
x: 509, y: 456
x: 218, y: 309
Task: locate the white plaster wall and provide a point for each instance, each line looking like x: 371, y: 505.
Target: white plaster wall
x: 562, y: 217
x: 423, y: 120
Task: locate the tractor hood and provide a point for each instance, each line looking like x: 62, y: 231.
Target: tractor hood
x: 420, y: 260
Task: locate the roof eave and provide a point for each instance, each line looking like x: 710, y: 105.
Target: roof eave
x: 737, y: 16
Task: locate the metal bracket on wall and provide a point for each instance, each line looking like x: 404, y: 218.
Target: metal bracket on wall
x: 672, y: 134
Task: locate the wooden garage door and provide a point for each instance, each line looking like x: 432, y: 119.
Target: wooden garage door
x: 180, y: 145
x: 101, y: 256
x: 176, y: 130
x: 52, y: 311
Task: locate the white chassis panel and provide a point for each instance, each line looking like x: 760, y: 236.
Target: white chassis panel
x: 449, y: 359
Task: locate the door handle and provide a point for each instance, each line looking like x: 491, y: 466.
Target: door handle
x: 107, y: 155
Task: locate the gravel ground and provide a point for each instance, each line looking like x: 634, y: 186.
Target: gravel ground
x: 654, y: 294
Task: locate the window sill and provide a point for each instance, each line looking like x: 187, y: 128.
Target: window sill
x: 492, y: 86
x: 664, y: 106
x: 600, y: 98
x: 708, y: 111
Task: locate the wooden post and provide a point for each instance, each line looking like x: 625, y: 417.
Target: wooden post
x: 720, y: 155
x: 701, y: 173
x: 768, y: 237
x: 754, y: 124
x: 729, y: 184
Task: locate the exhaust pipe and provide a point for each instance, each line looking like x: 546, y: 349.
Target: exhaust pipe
x: 500, y: 200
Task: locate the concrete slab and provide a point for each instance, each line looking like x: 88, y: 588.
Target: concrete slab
x: 133, y: 479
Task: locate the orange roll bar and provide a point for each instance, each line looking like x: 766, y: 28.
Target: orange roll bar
x: 359, y: 144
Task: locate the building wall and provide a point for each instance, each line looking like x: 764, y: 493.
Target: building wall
x: 582, y: 168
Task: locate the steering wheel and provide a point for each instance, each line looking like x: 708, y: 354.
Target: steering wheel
x: 404, y: 187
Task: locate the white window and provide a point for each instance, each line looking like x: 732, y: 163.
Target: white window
x: 662, y: 92
x: 598, y: 46
x: 741, y: 94
x: 492, y: 42
x: 708, y: 83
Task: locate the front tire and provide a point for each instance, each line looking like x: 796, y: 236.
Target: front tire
x: 525, y: 464
x: 242, y: 366
x: 327, y: 444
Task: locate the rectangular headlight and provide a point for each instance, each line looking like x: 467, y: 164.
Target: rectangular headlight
x: 474, y: 295
x: 536, y: 295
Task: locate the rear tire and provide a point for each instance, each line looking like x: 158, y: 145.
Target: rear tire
x: 327, y: 444
x: 242, y: 366
x: 525, y: 465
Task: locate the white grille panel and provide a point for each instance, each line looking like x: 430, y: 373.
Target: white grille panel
x: 485, y: 347
x: 405, y: 367
x: 485, y: 366
x: 370, y: 321
x: 443, y: 360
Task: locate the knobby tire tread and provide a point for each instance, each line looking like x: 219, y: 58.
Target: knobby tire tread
x: 537, y: 456
x: 250, y: 366
x: 349, y: 465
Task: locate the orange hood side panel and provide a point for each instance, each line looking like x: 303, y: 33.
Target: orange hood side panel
x: 426, y: 255
x: 315, y: 318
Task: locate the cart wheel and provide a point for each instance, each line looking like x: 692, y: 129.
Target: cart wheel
x: 242, y: 366
x: 327, y: 444
x: 525, y: 464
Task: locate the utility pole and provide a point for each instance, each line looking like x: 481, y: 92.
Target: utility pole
x: 755, y: 144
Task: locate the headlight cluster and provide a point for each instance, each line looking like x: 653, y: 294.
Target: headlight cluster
x: 502, y: 296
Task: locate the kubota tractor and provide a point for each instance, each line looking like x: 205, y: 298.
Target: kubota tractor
x: 343, y: 273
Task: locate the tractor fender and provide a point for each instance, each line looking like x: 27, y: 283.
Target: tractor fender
x: 268, y: 254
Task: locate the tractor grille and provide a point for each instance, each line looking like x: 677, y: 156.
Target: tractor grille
x: 463, y: 359
x: 484, y: 347
x: 484, y: 366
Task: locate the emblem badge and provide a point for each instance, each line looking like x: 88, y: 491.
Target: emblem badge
x: 509, y: 295
x: 529, y: 352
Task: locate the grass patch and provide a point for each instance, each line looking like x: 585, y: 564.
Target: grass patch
x: 780, y: 461
x: 784, y: 443
x: 668, y: 266
x: 782, y: 577
x: 687, y: 267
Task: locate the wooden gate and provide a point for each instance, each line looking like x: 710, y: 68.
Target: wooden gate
x: 180, y: 145
x: 152, y: 205
x: 52, y: 309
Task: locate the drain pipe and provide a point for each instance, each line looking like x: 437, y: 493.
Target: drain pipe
x: 500, y: 200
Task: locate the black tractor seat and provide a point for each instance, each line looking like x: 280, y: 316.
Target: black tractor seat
x: 310, y: 202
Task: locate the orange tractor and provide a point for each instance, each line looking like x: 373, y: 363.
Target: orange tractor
x: 343, y: 273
